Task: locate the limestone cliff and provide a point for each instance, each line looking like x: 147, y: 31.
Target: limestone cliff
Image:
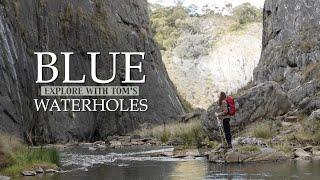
x: 80, y: 27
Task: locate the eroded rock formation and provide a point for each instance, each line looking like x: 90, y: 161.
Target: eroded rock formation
x: 77, y: 26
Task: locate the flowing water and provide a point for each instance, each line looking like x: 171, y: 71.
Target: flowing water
x: 137, y: 163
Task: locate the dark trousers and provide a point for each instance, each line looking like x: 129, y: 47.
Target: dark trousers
x: 227, y: 131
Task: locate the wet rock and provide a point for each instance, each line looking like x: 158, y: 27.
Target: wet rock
x: 51, y: 171
x: 234, y: 157
x: 164, y: 154
x: 85, y: 144
x: 115, y: 144
x: 92, y: 149
x: 39, y: 170
x: 154, y: 142
x: 302, y: 154
x: 137, y: 143
x: 316, y: 158
x: 181, y: 153
x: 213, y: 157
x: 316, y: 151
x: 99, y: 143
x: 267, y: 154
x: 308, y: 148
x: 28, y: 173
x: 4, y: 178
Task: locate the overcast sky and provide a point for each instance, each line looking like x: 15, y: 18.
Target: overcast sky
x: 201, y: 3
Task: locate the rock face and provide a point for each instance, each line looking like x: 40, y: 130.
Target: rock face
x: 287, y: 76
x: 79, y: 27
x: 290, y: 52
x: 290, y: 41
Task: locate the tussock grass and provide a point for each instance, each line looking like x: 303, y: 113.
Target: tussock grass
x: 309, y: 134
x: 284, y: 147
x: 263, y: 131
x: 191, y: 133
x: 311, y: 70
x: 18, y: 157
x: 249, y: 148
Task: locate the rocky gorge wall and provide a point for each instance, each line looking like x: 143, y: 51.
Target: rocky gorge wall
x: 77, y: 26
x: 287, y: 79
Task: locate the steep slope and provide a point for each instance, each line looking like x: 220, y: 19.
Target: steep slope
x: 228, y: 65
x: 80, y: 27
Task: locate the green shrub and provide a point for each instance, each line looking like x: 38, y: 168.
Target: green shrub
x: 247, y: 13
x: 19, y: 157
x: 165, y: 136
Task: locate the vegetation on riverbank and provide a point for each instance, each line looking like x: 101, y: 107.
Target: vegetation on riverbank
x: 188, y: 134
x: 16, y: 157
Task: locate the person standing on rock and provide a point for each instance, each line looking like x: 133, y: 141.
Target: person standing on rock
x: 226, y: 111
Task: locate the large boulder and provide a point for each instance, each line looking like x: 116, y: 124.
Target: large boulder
x: 307, y: 90
x: 264, y: 100
x: 313, y: 121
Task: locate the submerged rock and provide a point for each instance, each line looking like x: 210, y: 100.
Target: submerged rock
x: 28, y: 173
x: 51, y: 170
x: 302, y: 154
x: 237, y: 156
x: 4, y: 178
x: 39, y: 170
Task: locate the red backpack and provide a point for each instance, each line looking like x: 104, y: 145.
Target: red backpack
x: 231, y: 106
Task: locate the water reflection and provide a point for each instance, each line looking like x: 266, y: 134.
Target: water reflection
x: 137, y: 164
x: 189, y: 170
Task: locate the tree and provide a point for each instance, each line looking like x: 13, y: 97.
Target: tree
x: 193, y: 10
x: 247, y: 13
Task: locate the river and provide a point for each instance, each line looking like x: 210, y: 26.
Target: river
x: 137, y: 163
